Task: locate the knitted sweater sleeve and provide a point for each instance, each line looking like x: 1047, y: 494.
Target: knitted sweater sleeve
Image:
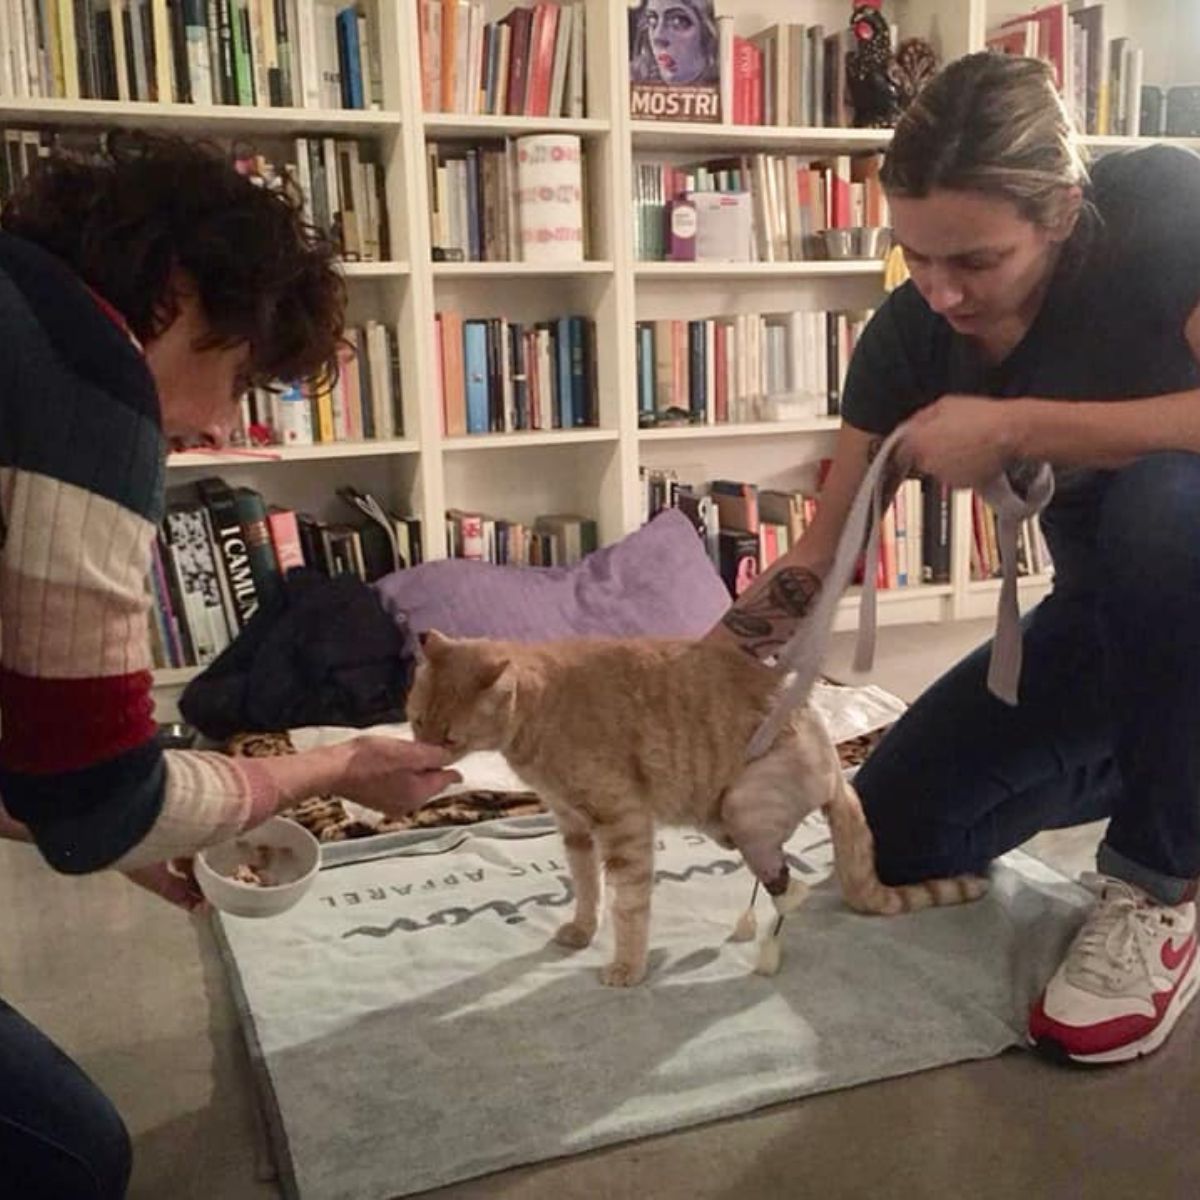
x: 81, y: 482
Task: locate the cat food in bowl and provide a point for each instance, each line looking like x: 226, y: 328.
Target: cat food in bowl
x: 262, y: 872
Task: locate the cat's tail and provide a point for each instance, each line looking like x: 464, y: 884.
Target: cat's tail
x: 854, y: 865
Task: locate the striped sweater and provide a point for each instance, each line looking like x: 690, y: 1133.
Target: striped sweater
x: 82, y: 459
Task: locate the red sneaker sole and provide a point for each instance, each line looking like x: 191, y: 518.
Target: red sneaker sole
x: 1184, y: 995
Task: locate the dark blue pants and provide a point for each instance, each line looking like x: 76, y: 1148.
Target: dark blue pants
x: 60, y: 1138
x: 1108, y: 723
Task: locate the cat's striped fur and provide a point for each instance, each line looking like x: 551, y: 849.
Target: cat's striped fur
x: 620, y: 736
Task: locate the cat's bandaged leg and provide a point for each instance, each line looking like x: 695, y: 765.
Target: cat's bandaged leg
x: 791, y: 898
x: 769, y: 949
x: 746, y: 929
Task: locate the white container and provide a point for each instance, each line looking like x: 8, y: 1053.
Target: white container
x: 724, y: 226
x: 289, y: 854
x: 550, y: 197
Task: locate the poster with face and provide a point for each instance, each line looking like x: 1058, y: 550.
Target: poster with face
x: 674, y: 61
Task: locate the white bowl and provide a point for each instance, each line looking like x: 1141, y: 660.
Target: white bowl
x: 287, y: 852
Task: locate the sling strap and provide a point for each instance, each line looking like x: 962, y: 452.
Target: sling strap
x: 1017, y: 494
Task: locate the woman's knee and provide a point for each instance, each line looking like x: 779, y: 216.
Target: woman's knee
x: 89, y: 1161
x: 113, y: 1157
x: 1149, y: 533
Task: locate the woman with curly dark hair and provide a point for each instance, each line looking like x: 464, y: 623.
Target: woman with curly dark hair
x: 141, y: 292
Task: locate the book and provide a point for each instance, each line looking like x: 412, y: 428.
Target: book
x: 232, y: 553
x: 264, y: 566
x: 574, y: 537
x: 674, y: 65
x: 475, y: 370
x: 349, y: 59
x: 285, y: 539
x: 738, y: 562
x: 192, y: 559
x: 737, y: 504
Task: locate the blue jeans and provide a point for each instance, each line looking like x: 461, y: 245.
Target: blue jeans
x: 60, y: 1138
x: 1108, y: 723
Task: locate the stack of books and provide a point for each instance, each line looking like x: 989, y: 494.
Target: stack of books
x: 531, y: 63
x: 499, y: 376
x: 556, y: 540
x: 222, y: 552
x: 265, y: 53
x: 747, y: 528
x: 750, y: 367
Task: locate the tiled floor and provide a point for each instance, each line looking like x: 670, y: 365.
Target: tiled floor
x: 135, y: 992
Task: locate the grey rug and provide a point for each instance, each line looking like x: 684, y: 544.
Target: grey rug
x: 412, y: 1026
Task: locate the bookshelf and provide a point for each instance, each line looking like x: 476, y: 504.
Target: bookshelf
x: 591, y: 470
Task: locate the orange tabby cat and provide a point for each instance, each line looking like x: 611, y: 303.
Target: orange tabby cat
x: 619, y: 736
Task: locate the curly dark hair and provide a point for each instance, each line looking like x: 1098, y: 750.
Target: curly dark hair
x: 124, y: 217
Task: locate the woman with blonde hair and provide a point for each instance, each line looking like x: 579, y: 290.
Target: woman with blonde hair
x: 1051, y: 316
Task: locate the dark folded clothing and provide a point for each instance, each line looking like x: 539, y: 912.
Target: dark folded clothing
x: 324, y: 653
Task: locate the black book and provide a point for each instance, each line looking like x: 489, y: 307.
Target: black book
x: 232, y: 551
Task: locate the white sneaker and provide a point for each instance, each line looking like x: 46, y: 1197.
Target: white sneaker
x: 1129, y: 974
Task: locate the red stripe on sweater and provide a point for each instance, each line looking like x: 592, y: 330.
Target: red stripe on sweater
x: 53, y: 725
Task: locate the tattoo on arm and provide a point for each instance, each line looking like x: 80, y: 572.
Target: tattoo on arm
x: 763, y: 623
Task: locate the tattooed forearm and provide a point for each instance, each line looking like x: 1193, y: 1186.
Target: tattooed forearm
x: 764, y: 621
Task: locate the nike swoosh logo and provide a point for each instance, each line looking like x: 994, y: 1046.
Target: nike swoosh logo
x: 1174, y: 956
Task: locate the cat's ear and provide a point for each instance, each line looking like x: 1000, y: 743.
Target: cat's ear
x: 498, y: 684
x: 433, y: 644
x: 496, y: 674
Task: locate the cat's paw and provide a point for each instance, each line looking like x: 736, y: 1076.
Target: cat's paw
x: 574, y: 936
x: 619, y: 974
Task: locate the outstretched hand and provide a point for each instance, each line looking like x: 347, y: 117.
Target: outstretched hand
x: 395, y: 777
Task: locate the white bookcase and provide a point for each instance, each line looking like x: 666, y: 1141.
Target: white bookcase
x: 594, y: 471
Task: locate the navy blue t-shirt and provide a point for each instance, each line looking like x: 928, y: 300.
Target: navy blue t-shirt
x: 1111, y: 326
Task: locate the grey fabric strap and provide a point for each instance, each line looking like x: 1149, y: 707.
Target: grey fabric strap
x: 1016, y: 496
x: 1012, y: 508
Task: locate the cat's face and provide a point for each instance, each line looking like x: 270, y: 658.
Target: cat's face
x: 462, y: 696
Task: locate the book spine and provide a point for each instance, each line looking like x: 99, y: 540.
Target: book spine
x: 231, y: 547
x: 562, y: 367
x: 252, y: 515
x: 476, y: 368
x: 350, y: 58
x: 285, y: 539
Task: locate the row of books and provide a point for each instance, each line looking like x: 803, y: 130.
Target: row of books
x: 1033, y: 555
x: 341, y: 184
x: 361, y: 404
x: 786, y: 203
x: 1100, y: 78
x: 751, y: 367
x: 506, y: 201
x: 556, y: 540
x: 500, y: 376
x: 222, y: 553
x: 531, y: 63
x: 788, y: 73
x: 269, y: 53
x: 746, y: 528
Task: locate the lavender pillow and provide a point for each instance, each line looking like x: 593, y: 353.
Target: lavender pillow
x: 658, y: 581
